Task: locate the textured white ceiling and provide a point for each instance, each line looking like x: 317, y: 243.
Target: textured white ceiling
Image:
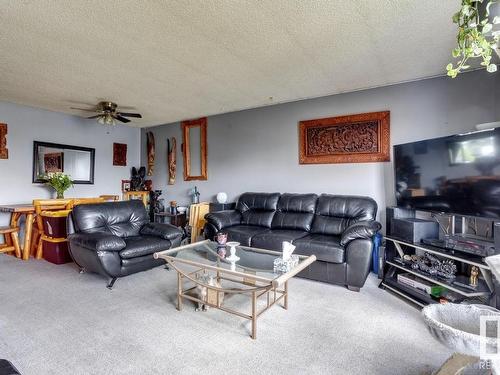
x: 175, y: 60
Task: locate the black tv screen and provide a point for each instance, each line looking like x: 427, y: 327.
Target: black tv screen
x: 457, y: 174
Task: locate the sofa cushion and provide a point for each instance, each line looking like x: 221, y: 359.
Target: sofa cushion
x: 334, y: 213
x: 295, y: 211
x: 123, y: 219
x: 257, y: 208
x: 243, y: 233
x: 273, y: 238
x: 143, y: 245
x: 326, y: 248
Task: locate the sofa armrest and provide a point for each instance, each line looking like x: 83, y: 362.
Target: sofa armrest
x: 98, y: 241
x: 164, y: 231
x: 360, y: 230
x: 224, y: 219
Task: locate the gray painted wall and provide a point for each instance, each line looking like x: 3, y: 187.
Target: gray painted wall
x: 257, y: 150
x: 27, y: 124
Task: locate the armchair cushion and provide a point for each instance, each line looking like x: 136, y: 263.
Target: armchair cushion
x: 139, y: 246
x: 224, y: 219
x: 163, y: 231
x: 99, y: 241
x: 360, y: 230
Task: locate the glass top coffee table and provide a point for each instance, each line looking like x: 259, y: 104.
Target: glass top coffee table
x: 210, y: 278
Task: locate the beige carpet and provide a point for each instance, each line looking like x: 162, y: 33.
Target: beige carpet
x: 55, y: 321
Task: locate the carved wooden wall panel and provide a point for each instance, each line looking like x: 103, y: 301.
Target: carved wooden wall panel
x: 345, y: 139
x: 4, y: 152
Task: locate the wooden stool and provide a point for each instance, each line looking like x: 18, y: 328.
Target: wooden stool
x: 13, y: 232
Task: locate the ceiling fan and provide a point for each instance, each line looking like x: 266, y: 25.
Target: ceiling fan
x: 108, y: 113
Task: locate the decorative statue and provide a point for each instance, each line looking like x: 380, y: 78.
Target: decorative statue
x: 151, y: 153
x: 172, y: 163
x: 195, y: 195
x: 445, y: 268
x: 156, y: 204
x: 137, y: 179
x: 474, y: 272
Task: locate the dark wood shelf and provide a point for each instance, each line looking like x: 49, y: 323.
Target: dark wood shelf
x: 481, y: 290
x: 444, y: 252
x: 420, y: 298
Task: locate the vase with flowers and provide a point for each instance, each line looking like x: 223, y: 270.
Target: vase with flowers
x: 58, y: 181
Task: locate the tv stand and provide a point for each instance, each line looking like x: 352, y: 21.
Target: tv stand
x: 484, y: 292
x: 459, y: 289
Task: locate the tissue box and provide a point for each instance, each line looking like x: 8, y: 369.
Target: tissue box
x: 282, y: 266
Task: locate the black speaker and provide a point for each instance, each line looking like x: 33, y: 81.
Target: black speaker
x: 381, y: 261
x: 496, y: 236
x: 414, y: 230
x: 396, y: 213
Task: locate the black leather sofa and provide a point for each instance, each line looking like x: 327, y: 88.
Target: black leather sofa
x: 337, y: 229
x: 116, y: 239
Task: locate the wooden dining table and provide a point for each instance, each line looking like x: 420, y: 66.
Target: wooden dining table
x: 16, y: 212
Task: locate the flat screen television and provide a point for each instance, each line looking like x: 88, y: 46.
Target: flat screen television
x: 458, y: 174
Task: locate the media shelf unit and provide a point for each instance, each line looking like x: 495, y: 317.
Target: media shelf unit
x: 485, y: 291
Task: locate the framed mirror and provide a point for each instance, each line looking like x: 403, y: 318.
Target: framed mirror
x: 194, y: 149
x: 77, y: 162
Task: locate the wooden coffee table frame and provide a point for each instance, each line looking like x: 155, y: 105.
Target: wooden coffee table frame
x: 275, y: 290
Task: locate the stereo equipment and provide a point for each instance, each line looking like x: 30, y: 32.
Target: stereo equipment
x: 414, y: 230
x: 465, y: 243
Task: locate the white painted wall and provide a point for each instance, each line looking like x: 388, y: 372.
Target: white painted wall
x: 257, y: 150
x: 27, y: 124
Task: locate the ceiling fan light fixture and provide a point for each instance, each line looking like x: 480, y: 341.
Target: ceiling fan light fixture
x: 106, y: 119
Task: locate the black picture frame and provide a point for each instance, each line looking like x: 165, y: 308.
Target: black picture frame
x: 37, y: 144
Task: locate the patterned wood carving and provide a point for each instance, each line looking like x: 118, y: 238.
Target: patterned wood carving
x: 4, y: 152
x: 120, y: 154
x: 346, y: 139
x: 151, y: 152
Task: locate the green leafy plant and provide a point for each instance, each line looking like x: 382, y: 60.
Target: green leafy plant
x: 59, y: 181
x: 476, y: 37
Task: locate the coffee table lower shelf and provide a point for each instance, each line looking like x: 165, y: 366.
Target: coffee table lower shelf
x: 274, y: 295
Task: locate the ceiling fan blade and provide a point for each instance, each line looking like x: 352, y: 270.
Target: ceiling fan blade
x: 137, y: 115
x: 84, y: 109
x: 96, y: 116
x: 120, y: 118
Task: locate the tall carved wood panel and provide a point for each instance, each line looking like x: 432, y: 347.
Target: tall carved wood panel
x: 4, y: 152
x: 345, y: 139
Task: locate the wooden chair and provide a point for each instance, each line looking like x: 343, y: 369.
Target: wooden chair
x: 144, y: 195
x: 110, y: 198
x: 197, y: 214
x: 78, y: 201
x: 13, y: 232
x: 43, y: 207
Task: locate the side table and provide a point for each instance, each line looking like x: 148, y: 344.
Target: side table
x: 178, y: 219
x: 216, y: 207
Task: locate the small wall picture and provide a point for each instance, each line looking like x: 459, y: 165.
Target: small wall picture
x: 4, y: 152
x: 120, y: 154
x: 53, y: 162
x: 125, y: 185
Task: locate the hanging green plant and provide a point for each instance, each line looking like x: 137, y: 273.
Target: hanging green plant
x: 476, y: 37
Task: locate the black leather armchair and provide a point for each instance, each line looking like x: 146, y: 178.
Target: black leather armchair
x: 337, y: 229
x: 116, y: 239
